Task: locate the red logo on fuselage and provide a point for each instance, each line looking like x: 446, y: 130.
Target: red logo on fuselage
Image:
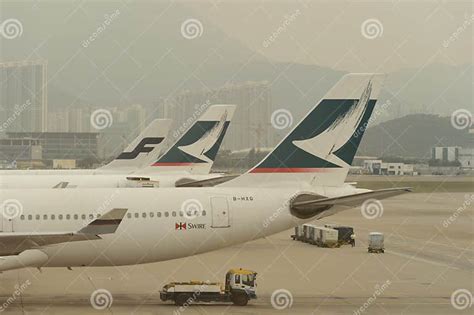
x: 180, y: 226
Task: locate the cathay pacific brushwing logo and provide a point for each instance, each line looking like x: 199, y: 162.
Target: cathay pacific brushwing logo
x: 325, y: 144
x: 199, y: 148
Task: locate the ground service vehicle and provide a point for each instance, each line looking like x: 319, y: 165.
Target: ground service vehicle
x: 239, y: 288
x: 376, y: 242
x: 345, y: 234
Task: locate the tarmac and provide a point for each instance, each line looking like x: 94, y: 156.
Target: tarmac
x: 429, y: 240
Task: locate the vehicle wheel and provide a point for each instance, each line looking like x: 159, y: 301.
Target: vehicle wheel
x: 181, y: 299
x: 240, y: 299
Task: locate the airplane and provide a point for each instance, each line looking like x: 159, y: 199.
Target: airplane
x: 187, y: 162
x: 301, y: 180
x: 138, y: 154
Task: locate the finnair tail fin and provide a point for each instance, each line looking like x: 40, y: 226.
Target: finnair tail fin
x: 320, y: 149
x: 143, y: 150
x: 195, y: 150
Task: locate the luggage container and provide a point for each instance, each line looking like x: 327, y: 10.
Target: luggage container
x: 307, y: 228
x: 346, y: 234
x: 376, y: 243
x: 312, y: 231
x: 298, y: 236
x: 324, y: 237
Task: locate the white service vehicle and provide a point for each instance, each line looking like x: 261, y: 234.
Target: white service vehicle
x: 376, y: 242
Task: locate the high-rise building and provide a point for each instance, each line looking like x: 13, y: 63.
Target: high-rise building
x: 250, y: 127
x: 23, y: 96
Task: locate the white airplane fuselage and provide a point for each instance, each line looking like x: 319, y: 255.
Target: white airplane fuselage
x: 231, y: 217
x: 93, y: 180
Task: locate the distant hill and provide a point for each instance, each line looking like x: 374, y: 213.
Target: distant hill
x: 412, y: 136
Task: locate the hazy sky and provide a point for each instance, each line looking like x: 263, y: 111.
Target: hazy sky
x: 144, y: 51
x: 329, y: 33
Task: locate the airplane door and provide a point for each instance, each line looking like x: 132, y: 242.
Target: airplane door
x: 9, y: 210
x: 220, y: 212
x: 7, y: 224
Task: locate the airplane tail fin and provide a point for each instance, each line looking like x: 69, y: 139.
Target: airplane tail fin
x: 196, y: 148
x: 143, y: 150
x: 320, y: 149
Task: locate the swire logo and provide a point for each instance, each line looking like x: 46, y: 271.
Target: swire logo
x: 182, y: 226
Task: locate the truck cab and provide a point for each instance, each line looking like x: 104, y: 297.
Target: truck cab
x: 241, y: 284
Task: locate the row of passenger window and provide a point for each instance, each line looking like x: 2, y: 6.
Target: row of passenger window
x: 45, y: 217
x: 166, y: 214
x: 135, y: 215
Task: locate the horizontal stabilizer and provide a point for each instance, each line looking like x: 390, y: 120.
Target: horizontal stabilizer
x: 307, y: 205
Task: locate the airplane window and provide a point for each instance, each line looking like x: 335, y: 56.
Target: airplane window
x: 60, y: 217
x: 173, y: 213
x: 53, y: 217
x: 181, y: 213
x: 68, y: 217
x: 167, y: 214
x: 38, y: 217
x: 83, y: 217
x: 129, y: 215
x: 203, y: 213
x: 45, y: 217
x: 144, y: 214
x: 136, y: 215
x: 30, y: 217
x: 76, y: 217
x: 152, y: 214
x: 91, y: 216
x: 22, y: 217
x: 158, y: 214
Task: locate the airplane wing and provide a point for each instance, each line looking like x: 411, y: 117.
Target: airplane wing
x: 210, y: 182
x: 16, y: 242
x: 309, y: 205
